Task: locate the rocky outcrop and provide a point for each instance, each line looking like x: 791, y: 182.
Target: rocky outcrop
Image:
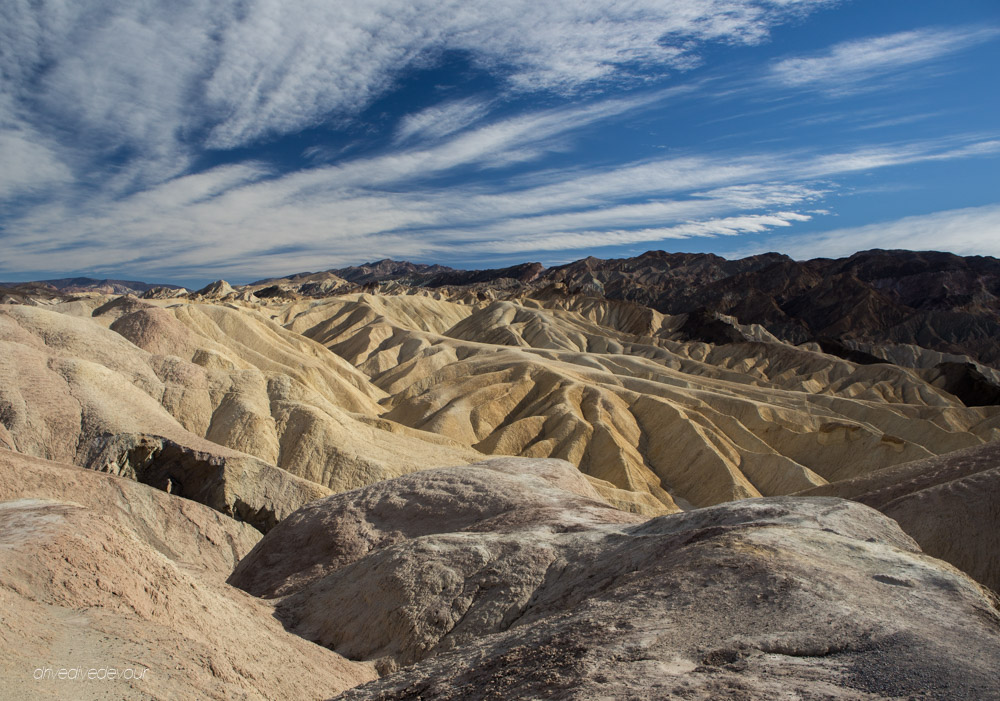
x: 242, y: 487
x: 220, y: 289
x: 457, y: 589
x: 492, y: 495
x: 190, y: 534
x: 967, y: 382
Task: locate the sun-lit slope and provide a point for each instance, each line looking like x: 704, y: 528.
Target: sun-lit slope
x: 224, y: 383
x: 629, y: 405
x: 254, y: 385
x: 75, y: 392
x: 326, y: 319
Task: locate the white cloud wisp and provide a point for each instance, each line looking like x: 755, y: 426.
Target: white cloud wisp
x: 854, y: 65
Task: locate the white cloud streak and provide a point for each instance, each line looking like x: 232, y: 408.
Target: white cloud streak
x: 855, y: 64
x: 441, y: 120
x: 245, y: 221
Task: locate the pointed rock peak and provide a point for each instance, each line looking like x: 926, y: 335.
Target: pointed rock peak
x: 219, y: 288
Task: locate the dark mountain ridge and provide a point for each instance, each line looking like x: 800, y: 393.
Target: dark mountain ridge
x: 938, y: 301
x: 387, y: 269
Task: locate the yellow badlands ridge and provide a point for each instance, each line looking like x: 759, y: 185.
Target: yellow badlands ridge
x: 346, y: 391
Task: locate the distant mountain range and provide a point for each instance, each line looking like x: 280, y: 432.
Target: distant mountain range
x: 938, y: 301
x: 70, y: 285
x: 863, y: 308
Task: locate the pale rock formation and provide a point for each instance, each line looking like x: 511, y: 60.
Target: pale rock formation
x: 72, y: 391
x: 219, y: 289
x: 457, y: 589
x: 206, y: 398
x: 346, y: 527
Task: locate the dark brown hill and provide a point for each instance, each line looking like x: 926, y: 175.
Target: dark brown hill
x: 525, y: 272
x: 935, y: 300
x: 657, y: 279
x: 386, y: 269
x: 29, y: 293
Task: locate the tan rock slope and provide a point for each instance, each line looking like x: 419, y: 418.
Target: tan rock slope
x: 210, y: 400
x: 319, y: 422
x: 98, y: 572
x: 604, y: 385
x: 72, y: 391
x: 508, y: 579
x: 949, y: 504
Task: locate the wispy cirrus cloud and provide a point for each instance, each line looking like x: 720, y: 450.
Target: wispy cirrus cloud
x: 521, y: 137
x: 858, y: 64
x: 167, y: 78
x: 29, y: 165
x: 224, y: 221
x: 442, y: 120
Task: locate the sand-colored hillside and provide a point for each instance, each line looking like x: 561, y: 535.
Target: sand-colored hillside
x: 608, y: 387
x: 347, y: 390
x: 212, y: 399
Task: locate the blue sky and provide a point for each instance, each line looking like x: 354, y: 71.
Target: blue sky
x: 188, y: 141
